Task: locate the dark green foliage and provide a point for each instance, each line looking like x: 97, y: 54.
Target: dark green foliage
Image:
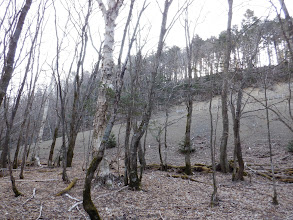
x: 290, y: 146
x: 111, y: 143
x: 183, y: 148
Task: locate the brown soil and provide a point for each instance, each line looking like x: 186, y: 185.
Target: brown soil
x: 161, y: 196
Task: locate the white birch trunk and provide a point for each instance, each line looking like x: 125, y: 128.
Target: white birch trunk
x: 36, y: 153
x: 106, y: 85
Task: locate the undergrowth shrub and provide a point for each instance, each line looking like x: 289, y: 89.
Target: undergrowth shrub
x: 183, y: 148
x: 290, y: 146
x: 111, y: 143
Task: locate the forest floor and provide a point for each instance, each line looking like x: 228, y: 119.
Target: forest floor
x: 163, y: 196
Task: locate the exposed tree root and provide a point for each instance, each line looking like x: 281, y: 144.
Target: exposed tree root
x: 72, y: 184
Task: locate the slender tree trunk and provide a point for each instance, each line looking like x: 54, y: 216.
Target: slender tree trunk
x: 236, y: 113
x: 24, y: 152
x: 134, y: 181
x: 275, y: 195
x: 189, y: 102
x: 225, y: 133
x: 289, y: 26
x: 55, y: 135
x: 187, y: 142
x: 214, y: 197
x: 9, y: 61
x: 126, y: 148
x: 36, y: 153
x: 165, y: 139
x: 76, y: 111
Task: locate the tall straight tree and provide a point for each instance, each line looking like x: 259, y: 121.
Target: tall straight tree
x: 9, y: 60
x: 289, y: 25
x: 105, y: 87
x: 189, y: 101
x: 224, y: 95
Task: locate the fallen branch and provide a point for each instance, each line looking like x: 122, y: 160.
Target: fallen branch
x: 259, y: 173
x: 180, y: 169
x: 71, y: 197
x: 185, y: 177
x: 45, y: 180
x: 76, y: 204
x: 80, y: 202
x: 33, y: 196
x: 72, y: 184
x: 41, y: 208
x: 268, y: 175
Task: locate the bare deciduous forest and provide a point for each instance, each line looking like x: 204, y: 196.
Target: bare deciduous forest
x: 101, y: 118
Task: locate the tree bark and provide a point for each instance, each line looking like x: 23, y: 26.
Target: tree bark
x: 55, y: 135
x: 225, y: 133
x: 236, y: 113
x: 9, y: 61
x: 134, y: 181
x: 289, y: 27
x: 106, y: 86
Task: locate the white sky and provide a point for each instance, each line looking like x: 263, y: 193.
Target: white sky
x: 208, y: 16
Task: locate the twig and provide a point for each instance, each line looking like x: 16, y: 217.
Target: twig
x: 41, y: 208
x: 75, y: 205
x: 69, y: 196
x: 33, y: 196
x: 46, y: 180
x: 81, y: 212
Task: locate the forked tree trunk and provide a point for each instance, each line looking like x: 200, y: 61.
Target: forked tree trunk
x: 236, y: 114
x: 224, y: 96
x: 134, y: 180
x: 98, y: 155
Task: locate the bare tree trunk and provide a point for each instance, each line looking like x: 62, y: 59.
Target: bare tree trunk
x: 55, y: 135
x: 189, y: 102
x: 275, y: 195
x: 289, y: 27
x: 77, y: 105
x: 36, y: 152
x: 9, y: 61
x: 108, y: 70
x: 236, y: 114
x: 187, y: 142
x: 224, y: 140
x: 134, y: 181
x: 98, y: 155
x: 126, y: 147
x: 214, y: 197
x: 24, y: 152
x: 165, y: 140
